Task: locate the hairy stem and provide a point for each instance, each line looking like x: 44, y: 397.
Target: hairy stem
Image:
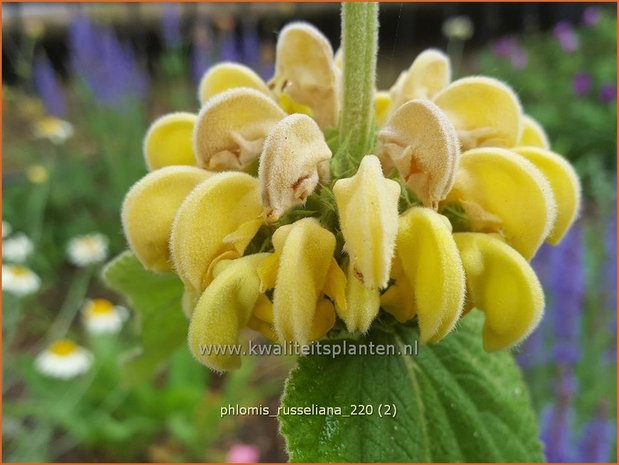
x: 359, y: 47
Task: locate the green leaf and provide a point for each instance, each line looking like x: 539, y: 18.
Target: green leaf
x: 453, y: 402
x: 156, y: 298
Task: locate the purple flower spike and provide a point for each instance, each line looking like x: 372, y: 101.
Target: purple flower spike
x: 171, y: 25
x: 107, y: 67
x: 504, y: 47
x: 581, y: 84
x: 520, y: 58
x: 250, y: 44
x: 48, y: 88
x: 597, y: 439
x: 608, y: 93
x: 201, y: 52
x: 567, y: 286
x: 591, y: 16
x: 557, y: 420
x: 568, y: 40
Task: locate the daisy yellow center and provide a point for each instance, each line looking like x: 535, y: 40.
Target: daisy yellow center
x: 20, y: 271
x: 63, y: 348
x: 90, y: 244
x: 100, y: 307
x: 50, y: 126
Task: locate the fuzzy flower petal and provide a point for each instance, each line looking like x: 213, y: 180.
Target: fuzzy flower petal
x: 429, y: 73
x: 291, y: 163
x: 431, y: 266
x: 305, y: 71
x: 367, y: 205
x: 223, y: 310
x: 485, y: 112
x: 304, y: 252
x: 362, y: 304
x: 533, y: 134
x: 565, y: 186
x: 149, y: 209
x: 422, y: 144
x: 228, y: 75
x: 231, y: 128
x: 507, y: 187
x: 169, y: 141
x: 503, y: 285
x: 215, y: 222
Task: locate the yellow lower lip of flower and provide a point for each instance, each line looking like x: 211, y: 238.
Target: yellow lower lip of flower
x: 431, y: 265
x: 225, y: 308
x: 565, y: 186
x: 227, y: 75
x: 149, y: 210
x: 220, y: 216
x: 169, y: 141
x: 503, y: 285
x: 505, y: 185
x: 20, y: 271
x: 304, y: 252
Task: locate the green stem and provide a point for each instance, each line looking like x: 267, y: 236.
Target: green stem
x: 359, y: 46
x: 75, y: 297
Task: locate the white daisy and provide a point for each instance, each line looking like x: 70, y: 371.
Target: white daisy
x: 17, y: 248
x: 19, y: 280
x: 54, y: 129
x: 101, y: 316
x: 63, y: 359
x: 6, y: 229
x: 87, y: 250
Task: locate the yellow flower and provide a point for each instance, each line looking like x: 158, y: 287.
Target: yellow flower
x: 467, y: 159
x: 149, y: 210
x: 367, y: 205
x: 216, y: 221
x: 223, y: 310
x: 305, y: 71
x: 303, y: 273
x: 295, y: 158
x: 504, y: 186
x: 429, y: 278
x: 422, y: 144
x: 502, y: 284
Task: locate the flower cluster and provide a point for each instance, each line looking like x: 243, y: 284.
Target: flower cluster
x: 443, y: 217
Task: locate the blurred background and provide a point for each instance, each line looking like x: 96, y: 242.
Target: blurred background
x: 82, y: 82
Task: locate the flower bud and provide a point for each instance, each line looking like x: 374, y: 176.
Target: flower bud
x: 149, y: 209
x: 290, y: 164
x: 231, y: 128
x: 169, y: 141
x: 422, y: 144
x: 503, y: 285
x: 367, y: 205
